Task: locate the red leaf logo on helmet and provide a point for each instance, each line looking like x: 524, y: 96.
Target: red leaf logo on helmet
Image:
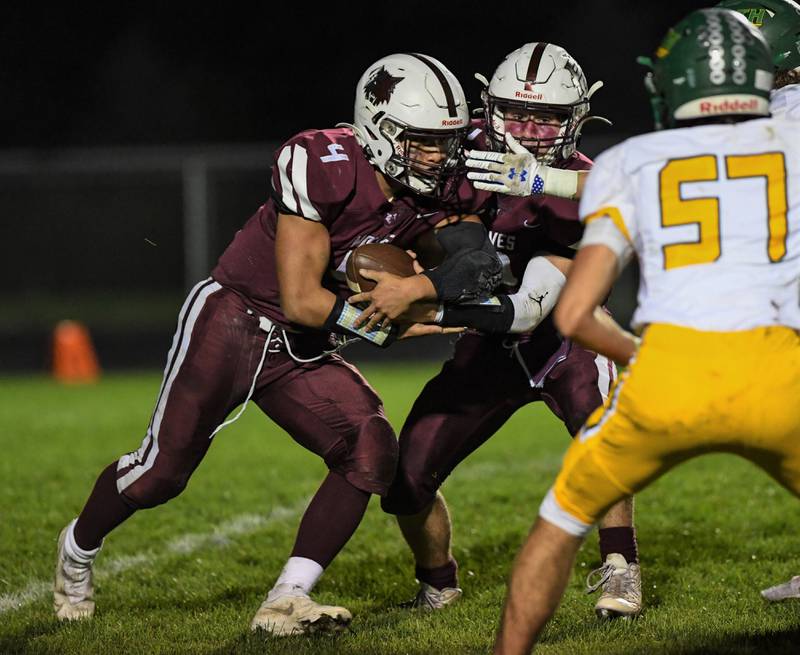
x: 380, y: 86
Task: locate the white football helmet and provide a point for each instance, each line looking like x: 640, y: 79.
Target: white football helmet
x: 406, y: 99
x: 543, y: 78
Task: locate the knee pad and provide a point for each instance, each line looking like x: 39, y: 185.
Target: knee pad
x: 367, y: 458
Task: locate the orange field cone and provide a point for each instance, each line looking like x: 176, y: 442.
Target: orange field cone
x: 74, y: 358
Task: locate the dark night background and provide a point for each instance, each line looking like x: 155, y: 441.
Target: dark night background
x: 171, y: 72
x: 106, y: 108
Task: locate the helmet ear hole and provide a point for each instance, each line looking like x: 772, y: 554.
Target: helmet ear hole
x: 388, y: 128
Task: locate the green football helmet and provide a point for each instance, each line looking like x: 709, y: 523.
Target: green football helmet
x: 779, y: 22
x: 713, y: 63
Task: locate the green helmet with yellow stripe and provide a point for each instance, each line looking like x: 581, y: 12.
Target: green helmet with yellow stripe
x: 712, y: 64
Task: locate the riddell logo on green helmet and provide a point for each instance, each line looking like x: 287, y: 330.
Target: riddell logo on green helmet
x: 723, y: 105
x: 709, y: 107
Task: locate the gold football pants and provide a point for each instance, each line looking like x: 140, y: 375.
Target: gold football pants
x: 687, y: 393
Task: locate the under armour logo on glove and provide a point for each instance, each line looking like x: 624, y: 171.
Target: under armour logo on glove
x: 516, y: 172
x: 522, y: 175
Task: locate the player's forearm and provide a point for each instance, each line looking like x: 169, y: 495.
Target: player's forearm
x: 597, y: 331
x: 516, y: 313
x: 307, y: 307
x: 577, y: 315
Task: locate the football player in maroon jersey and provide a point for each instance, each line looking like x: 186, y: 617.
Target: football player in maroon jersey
x: 535, y: 106
x: 268, y: 322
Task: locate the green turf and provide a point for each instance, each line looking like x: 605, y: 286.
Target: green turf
x: 187, y: 577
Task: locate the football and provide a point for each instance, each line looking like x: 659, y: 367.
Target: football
x: 376, y: 257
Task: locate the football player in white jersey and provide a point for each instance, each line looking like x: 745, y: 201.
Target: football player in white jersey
x: 779, y: 22
x: 711, y: 209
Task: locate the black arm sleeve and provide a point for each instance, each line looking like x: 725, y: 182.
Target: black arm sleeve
x: 489, y: 318
x: 471, y: 268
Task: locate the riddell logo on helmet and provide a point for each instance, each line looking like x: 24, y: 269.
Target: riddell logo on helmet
x: 527, y: 95
x: 452, y: 122
x: 728, y: 106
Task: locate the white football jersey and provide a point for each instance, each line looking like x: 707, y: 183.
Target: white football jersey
x: 785, y: 102
x: 713, y: 214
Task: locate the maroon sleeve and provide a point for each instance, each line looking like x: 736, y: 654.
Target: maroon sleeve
x: 314, y: 174
x: 476, y: 136
x: 559, y: 215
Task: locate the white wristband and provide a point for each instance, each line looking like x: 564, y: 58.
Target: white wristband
x: 560, y: 182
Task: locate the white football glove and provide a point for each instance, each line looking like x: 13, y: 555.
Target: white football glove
x: 517, y: 173
x: 513, y: 173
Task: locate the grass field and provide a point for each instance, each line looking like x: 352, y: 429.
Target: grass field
x: 187, y: 577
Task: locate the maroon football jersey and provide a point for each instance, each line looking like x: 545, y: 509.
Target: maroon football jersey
x: 521, y: 227
x: 324, y: 176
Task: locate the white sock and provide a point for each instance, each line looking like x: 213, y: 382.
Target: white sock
x: 75, y: 552
x: 299, y: 572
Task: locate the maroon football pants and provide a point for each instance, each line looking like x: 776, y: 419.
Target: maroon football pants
x: 475, y: 393
x: 326, y: 406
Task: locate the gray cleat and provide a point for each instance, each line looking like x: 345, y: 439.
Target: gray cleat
x: 622, y: 588
x: 430, y: 598
x: 783, y: 591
